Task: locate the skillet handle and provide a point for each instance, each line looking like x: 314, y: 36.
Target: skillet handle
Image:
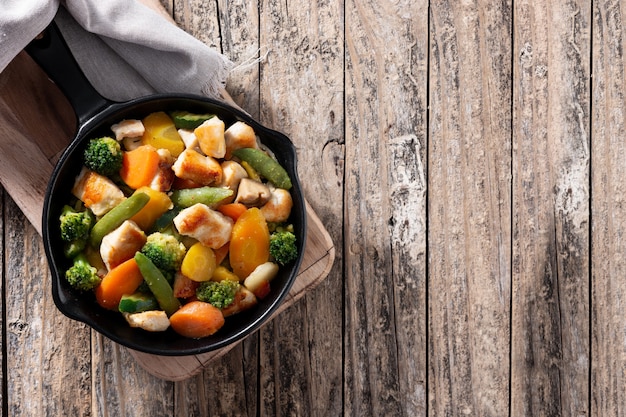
x: 50, y: 51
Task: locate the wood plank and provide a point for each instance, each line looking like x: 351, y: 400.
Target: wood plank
x: 239, y: 36
x: 608, y: 250
x: 550, y: 313
x: 385, y: 208
x: 199, y: 18
x: 469, y: 206
x: 301, y: 80
x: 121, y: 387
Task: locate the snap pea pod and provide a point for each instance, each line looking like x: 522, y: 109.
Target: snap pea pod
x: 110, y: 221
x: 158, y: 284
x: 210, y: 196
x: 265, y: 165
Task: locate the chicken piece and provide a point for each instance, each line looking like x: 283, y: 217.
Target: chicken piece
x: 189, y: 139
x: 152, y: 320
x: 98, y: 192
x: 210, y: 136
x: 164, y: 177
x: 183, y: 286
x: 208, y: 226
x: 121, y: 244
x: 239, y: 135
x: 278, y: 208
x: 128, y: 129
x: 233, y: 172
x: 201, y: 169
x: 130, y: 144
x: 252, y: 193
x: 244, y: 300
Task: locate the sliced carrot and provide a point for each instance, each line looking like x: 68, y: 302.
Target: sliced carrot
x: 139, y: 166
x: 232, y: 210
x: 123, y: 279
x: 197, y: 319
x: 249, y: 242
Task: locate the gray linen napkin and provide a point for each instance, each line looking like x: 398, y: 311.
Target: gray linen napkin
x: 125, y: 48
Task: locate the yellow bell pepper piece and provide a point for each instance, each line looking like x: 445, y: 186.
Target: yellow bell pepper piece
x: 158, y: 204
x: 161, y: 133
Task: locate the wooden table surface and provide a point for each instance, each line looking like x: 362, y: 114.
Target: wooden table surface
x: 467, y: 158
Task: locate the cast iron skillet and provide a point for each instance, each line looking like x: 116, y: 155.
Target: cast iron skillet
x: 95, y: 115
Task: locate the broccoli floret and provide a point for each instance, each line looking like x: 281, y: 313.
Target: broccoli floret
x: 218, y: 293
x: 283, y: 246
x: 75, y: 226
x: 165, y: 251
x: 104, y: 156
x: 81, y: 275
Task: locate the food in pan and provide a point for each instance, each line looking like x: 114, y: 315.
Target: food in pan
x: 178, y: 221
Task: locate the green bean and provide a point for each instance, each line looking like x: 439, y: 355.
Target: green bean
x: 265, y: 165
x: 210, y: 196
x: 114, y: 218
x: 157, y: 283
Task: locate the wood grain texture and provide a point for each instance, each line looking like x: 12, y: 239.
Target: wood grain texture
x: 385, y: 208
x: 239, y: 22
x: 608, y: 252
x: 467, y: 158
x: 469, y: 207
x: 121, y: 387
x: 550, y: 320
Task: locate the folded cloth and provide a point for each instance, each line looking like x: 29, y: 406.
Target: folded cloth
x: 125, y: 48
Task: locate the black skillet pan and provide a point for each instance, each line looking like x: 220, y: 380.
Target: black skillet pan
x: 95, y: 115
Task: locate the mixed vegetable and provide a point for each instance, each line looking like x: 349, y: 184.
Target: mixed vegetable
x: 178, y: 221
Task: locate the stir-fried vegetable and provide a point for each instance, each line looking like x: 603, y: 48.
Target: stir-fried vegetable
x: 186, y: 222
x: 265, y: 165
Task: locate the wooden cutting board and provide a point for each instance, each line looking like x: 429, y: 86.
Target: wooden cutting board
x: 36, y: 124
